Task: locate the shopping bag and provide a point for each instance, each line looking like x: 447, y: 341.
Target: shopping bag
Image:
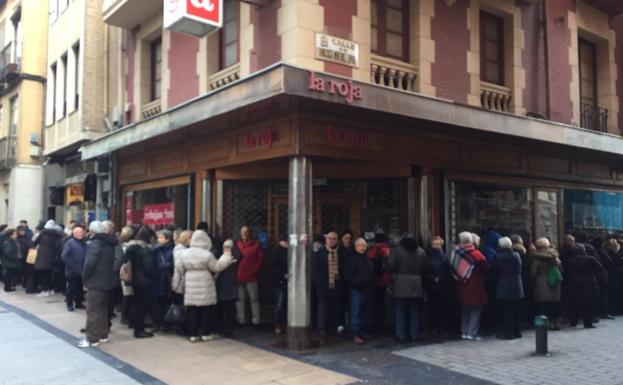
x: 175, y: 314
x: 125, y: 273
x: 31, y: 258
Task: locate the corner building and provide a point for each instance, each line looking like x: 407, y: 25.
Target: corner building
x: 453, y: 115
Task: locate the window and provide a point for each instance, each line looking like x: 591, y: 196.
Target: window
x: 52, y: 84
x: 155, y: 52
x: 390, y: 28
x: 53, y: 10
x: 491, y: 48
x: 228, y: 42
x: 12, y: 125
x: 76, y: 52
x: 64, y: 85
x: 588, y: 75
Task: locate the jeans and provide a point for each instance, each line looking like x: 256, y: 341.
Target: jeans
x: 377, y: 310
x: 200, y: 320
x: 74, y: 294
x: 97, y: 315
x: 407, y: 307
x: 470, y: 320
x: 281, y: 305
x: 358, y: 301
x: 248, y: 290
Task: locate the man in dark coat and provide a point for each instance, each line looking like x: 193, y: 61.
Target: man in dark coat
x: 25, y: 242
x: 509, y: 289
x: 584, y: 274
x: 10, y: 260
x: 49, y: 245
x: 74, y: 254
x: 279, y: 267
x: 328, y: 286
x: 163, y: 258
x: 99, y: 277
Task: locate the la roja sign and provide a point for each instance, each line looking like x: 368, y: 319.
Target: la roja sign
x: 344, y: 88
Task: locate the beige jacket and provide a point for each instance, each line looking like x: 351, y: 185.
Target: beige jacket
x: 193, y: 271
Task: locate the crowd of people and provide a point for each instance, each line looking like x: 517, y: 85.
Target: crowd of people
x: 190, y: 283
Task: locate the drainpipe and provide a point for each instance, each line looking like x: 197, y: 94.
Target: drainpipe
x: 545, y: 24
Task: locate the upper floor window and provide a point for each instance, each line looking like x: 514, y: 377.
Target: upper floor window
x: 390, y: 28
x: 491, y: 48
x: 155, y: 55
x: 52, y: 94
x: 588, y: 72
x: 65, y: 80
x: 76, y: 52
x: 229, y: 35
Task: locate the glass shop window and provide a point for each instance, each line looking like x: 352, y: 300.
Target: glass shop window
x: 159, y: 207
x: 593, y: 213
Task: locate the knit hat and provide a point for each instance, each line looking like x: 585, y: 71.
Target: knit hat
x: 49, y: 225
x: 201, y: 240
x: 228, y: 244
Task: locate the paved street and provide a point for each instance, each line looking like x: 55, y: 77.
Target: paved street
x: 579, y: 356
x: 37, y: 345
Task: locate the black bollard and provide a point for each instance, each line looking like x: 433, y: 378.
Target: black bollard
x: 541, y: 324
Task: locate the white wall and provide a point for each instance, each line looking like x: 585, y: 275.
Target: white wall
x: 25, y: 195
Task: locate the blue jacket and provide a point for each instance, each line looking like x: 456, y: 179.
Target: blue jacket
x: 490, y: 245
x: 163, y: 258
x: 507, y: 268
x: 74, y: 253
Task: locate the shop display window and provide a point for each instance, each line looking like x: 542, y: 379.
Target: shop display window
x: 159, y: 207
x: 593, y: 213
x: 478, y: 208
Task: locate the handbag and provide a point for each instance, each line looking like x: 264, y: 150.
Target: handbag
x: 31, y: 258
x: 125, y: 273
x: 175, y: 314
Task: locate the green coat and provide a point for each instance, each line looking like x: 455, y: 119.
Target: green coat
x: 9, y: 257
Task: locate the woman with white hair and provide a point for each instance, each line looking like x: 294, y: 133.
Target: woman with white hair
x: 470, y: 268
x: 509, y: 289
x: 546, y: 266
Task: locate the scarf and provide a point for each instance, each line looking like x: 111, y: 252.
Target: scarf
x: 333, y: 267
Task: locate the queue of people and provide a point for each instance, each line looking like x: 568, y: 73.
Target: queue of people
x: 187, y: 282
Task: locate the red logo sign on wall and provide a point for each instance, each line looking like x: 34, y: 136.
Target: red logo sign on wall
x: 193, y: 17
x: 261, y: 139
x: 159, y: 214
x: 344, y: 88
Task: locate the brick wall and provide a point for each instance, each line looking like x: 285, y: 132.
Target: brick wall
x: 559, y: 37
x: 451, y: 36
x: 184, y: 81
x: 338, y: 19
x: 266, y: 43
x: 534, y: 59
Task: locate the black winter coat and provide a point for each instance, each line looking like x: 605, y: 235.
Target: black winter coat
x: 99, y: 273
x: 507, y: 269
x: 279, y: 265
x: 144, y: 270
x: 437, y: 277
x: 227, y: 280
x: 584, y: 275
x: 320, y: 272
x: 50, y: 246
x: 358, y: 272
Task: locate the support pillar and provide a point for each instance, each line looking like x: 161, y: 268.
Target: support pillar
x: 299, y: 252
x: 424, y: 212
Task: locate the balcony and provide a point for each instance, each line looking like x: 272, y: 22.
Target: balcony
x: 152, y: 108
x: 7, y: 152
x: 495, y: 97
x: 10, y: 62
x: 593, y: 118
x: 129, y: 13
x: 226, y: 76
x: 393, y: 73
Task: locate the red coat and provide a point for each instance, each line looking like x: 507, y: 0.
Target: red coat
x: 383, y: 250
x: 251, y: 262
x: 473, y: 292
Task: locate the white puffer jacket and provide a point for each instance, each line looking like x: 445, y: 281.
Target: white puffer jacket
x: 194, y: 267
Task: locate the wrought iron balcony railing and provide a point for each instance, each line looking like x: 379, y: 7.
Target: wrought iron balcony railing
x: 593, y: 118
x: 10, y: 61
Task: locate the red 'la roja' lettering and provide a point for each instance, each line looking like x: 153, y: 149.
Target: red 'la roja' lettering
x: 347, y: 89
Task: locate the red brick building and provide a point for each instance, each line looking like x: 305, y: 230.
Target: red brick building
x: 427, y: 116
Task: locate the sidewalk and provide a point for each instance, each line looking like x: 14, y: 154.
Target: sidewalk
x: 173, y: 359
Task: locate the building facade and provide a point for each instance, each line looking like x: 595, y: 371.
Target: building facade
x: 22, y: 87
x: 76, y: 101
x: 393, y: 116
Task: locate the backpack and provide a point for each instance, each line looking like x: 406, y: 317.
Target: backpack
x: 554, y: 276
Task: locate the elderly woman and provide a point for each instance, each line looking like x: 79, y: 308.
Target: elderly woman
x: 359, y: 275
x: 546, y: 294
x: 163, y: 258
x: 509, y: 289
x: 407, y: 263
x: 193, y: 276
x: 470, y: 268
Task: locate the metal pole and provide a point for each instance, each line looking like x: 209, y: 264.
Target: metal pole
x: 424, y: 209
x: 541, y: 324
x: 299, y: 252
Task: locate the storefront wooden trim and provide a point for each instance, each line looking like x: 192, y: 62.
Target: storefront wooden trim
x: 180, y: 180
